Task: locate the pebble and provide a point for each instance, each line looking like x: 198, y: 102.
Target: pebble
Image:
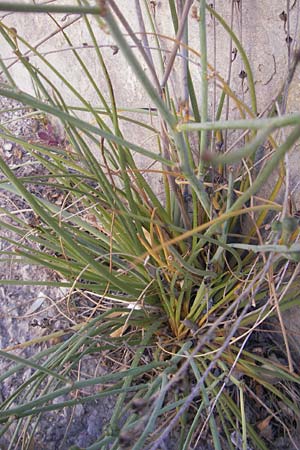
x: 8, y: 147
x: 78, y: 410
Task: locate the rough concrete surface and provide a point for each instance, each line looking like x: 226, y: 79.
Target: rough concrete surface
x: 257, y: 24
x: 264, y: 36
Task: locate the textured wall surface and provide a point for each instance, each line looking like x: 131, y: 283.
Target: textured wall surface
x: 258, y: 24
x: 261, y: 26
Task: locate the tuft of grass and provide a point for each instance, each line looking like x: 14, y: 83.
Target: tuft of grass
x: 175, y: 282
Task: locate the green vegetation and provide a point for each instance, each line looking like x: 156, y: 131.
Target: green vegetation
x: 176, y: 280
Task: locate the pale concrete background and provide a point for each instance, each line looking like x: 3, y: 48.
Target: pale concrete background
x: 257, y: 24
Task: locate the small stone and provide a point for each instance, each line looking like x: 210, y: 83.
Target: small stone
x: 8, y: 146
x: 78, y: 410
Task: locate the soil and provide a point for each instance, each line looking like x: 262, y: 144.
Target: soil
x: 27, y: 312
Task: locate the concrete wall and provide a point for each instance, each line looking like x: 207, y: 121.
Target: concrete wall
x: 258, y: 24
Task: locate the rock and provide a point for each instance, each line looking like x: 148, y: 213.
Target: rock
x: 8, y: 146
x: 78, y: 410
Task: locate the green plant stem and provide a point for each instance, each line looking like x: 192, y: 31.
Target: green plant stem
x: 150, y: 426
x: 27, y: 362
x: 128, y: 380
x: 204, y: 83
x: 137, y: 42
x: 81, y: 124
x: 79, y: 251
x: 179, y: 34
x: 139, y: 71
x: 245, y: 152
x: 245, y: 124
x: 243, y: 56
x: 82, y: 400
x: 143, y: 32
x: 268, y: 169
x: 39, y: 8
x: 174, y: 15
x: 109, y: 378
x: 169, y: 118
x: 212, y: 422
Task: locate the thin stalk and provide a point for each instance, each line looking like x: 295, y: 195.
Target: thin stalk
x: 204, y: 83
x: 155, y: 36
x: 27, y: 362
x: 193, y: 426
x: 229, y: 72
x: 243, y: 56
x: 137, y: 42
x: 44, y: 8
x: 180, y: 32
x: 7, y: 74
x: 185, y: 66
x: 121, y: 399
x: 244, y: 124
x: 42, y: 41
x: 87, y: 73
x: 109, y: 378
x: 170, y: 119
x: 212, y: 422
x: 58, y: 349
x: 33, y: 71
x: 276, y: 248
x: 139, y: 71
x: 141, y: 21
x: 81, y: 124
x: 150, y: 426
x: 245, y: 152
x: 78, y: 250
x: 83, y: 400
x: 174, y: 15
x: 268, y: 169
